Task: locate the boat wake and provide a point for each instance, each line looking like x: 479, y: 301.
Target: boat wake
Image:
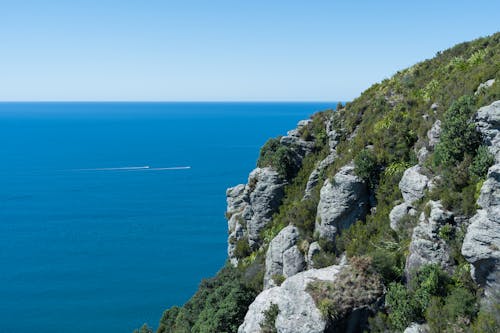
x: 136, y: 168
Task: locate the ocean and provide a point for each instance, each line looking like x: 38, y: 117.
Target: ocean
x: 112, y: 212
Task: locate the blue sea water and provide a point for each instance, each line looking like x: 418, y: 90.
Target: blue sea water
x: 87, y: 247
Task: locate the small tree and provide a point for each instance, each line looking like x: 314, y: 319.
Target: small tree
x: 459, y: 135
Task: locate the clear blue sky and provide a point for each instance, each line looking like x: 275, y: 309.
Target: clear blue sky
x: 222, y: 50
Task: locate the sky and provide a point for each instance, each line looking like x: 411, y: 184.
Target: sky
x: 222, y: 50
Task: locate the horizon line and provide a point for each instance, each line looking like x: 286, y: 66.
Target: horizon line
x: 175, y: 101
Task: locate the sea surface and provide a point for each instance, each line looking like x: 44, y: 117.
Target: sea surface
x: 112, y: 212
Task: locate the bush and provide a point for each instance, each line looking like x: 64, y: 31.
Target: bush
x: 269, y: 323
x: 242, y: 249
x: 366, y: 166
x: 399, y: 304
x: 481, y: 163
x: 219, y: 305
x: 459, y: 135
x: 279, y: 157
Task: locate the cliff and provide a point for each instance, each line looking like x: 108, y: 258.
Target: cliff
x: 380, y: 216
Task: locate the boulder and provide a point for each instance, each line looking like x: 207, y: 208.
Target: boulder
x: 283, y: 258
x: 417, y: 328
x: 488, y: 123
x: 314, y: 249
x: 398, y: 213
x: 413, y: 184
x: 251, y: 206
x: 297, y: 309
x: 426, y: 246
x: 434, y: 133
x: 342, y: 202
x: 484, y: 86
x: 316, y: 173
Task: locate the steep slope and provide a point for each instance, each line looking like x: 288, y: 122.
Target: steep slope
x: 393, y: 181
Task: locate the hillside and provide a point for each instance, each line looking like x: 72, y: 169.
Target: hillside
x: 381, y: 215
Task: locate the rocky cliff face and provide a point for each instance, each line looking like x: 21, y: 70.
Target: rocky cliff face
x: 377, y: 161
x: 251, y: 206
x: 481, y: 246
x: 343, y: 201
x: 427, y: 246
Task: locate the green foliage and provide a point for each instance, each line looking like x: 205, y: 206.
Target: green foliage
x: 488, y: 320
x: 144, y: 329
x: 459, y: 135
x: 354, y: 286
x: 219, y: 305
x: 279, y: 157
x: 269, y: 323
x: 365, y: 166
x: 434, y: 297
x: 278, y: 279
x: 242, y: 249
x: 324, y: 259
x: 401, y: 308
x: 481, y: 163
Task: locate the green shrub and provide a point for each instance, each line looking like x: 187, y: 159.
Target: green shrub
x: 269, y: 323
x: 365, y: 166
x: 401, y: 310
x: 459, y: 135
x: 278, y: 279
x: 242, y: 248
x: 279, y: 157
x: 219, y: 305
x: 481, y: 163
x: 488, y: 320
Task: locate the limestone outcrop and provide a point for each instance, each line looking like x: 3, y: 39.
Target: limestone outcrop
x: 298, y: 311
x: 427, y: 244
x: 283, y: 257
x: 481, y: 246
x: 251, y: 206
x: 343, y: 201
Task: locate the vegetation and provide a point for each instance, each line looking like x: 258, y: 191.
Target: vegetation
x: 219, y: 305
x: 353, y: 287
x: 268, y: 325
x: 390, y: 121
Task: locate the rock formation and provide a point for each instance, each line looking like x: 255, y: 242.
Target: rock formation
x: 283, y: 257
x: 481, y: 246
x: 251, y: 206
x: 427, y: 245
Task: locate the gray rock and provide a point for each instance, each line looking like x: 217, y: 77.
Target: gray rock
x: 417, y: 328
x: 293, y: 261
x: 484, y: 86
x: 342, y: 202
x: 481, y: 246
x: 314, y: 249
x: 294, y: 140
x: 283, y: 256
x: 297, y: 310
x: 488, y: 122
x: 422, y: 155
x: 316, y: 173
x: 434, y: 133
x: 434, y: 106
x: 398, y: 213
x: 413, y: 184
x: 426, y: 246
x: 251, y: 206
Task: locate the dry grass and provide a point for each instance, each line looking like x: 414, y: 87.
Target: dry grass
x: 355, y: 286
